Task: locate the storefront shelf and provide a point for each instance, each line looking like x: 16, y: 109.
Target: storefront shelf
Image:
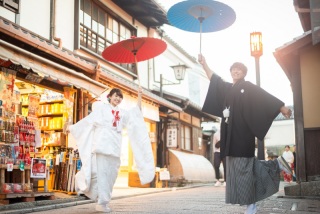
x: 4, y: 166
x: 51, y: 102
x: 27, y: 195
x: 53, y: 115
x: 57, y: 130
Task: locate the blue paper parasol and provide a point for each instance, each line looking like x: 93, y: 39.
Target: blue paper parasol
x: 201, y: 16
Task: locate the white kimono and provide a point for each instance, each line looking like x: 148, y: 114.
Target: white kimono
x: 96, y: 134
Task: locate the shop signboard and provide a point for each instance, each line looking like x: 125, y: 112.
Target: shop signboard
x: 152, y: 136
x: 164, y: 175
x: 38, y: 168
x: 34, y: 78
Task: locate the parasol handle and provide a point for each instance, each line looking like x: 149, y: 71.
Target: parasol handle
x: 136, y: 64
x: 201, y: 18
x: 200, y: 36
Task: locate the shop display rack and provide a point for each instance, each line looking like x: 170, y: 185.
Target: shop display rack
x: 35, y: 131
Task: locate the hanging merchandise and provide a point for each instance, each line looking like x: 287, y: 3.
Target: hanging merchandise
x: 21, y: 166
x: 10, y: 165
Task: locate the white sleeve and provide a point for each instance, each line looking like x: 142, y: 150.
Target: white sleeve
x: 290, y: 157
x: 83, y: 132
x: 141, y: 145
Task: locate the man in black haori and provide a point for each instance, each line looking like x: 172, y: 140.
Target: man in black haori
x: 246, y: 112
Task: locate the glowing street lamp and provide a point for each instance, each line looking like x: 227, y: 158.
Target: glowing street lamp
x: 256, y: 51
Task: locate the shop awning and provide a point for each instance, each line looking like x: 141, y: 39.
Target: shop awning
x: 48, y: 69
x: 192, y: 167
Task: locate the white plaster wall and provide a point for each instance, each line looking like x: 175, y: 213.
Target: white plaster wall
x: 35, y: 16
x: 195, y: 84
x: 281, y: 133
x: 198, y: 85
x: 65, y: 23
x: 7, y: 14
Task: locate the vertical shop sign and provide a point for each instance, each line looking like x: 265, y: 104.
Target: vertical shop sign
x: 68, y: 102
x: 152, y: 136
x: 172, y: 134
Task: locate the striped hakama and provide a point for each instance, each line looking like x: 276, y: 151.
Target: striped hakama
x: 250, y: 180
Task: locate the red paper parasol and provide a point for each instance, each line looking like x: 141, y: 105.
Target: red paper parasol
x: 134, y: 50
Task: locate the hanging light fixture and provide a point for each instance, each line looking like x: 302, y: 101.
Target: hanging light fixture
x: 179, y: 71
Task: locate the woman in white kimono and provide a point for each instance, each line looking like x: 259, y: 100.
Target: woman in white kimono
x: 98, y: 138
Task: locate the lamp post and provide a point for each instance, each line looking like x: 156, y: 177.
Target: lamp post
x: 179, y: 73
x: 256, y: 51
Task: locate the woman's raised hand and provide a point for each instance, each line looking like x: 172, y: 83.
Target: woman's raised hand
x: 139, y: 96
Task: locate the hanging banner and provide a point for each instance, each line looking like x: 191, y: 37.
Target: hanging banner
x: 7, y: 79
x: 33, y: 105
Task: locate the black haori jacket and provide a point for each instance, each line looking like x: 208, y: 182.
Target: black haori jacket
x: 252, y: 111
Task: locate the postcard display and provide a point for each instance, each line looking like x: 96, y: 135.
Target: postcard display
x: 34, y: 155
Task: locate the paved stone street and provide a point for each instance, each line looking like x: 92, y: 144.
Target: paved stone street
x: 201, y: 199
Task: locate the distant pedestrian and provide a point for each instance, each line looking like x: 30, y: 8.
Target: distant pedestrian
x: 266, y: 156
x: 294, y: 163
x: 247, y: 112
x: 289, y: 157
x: 218, y: 160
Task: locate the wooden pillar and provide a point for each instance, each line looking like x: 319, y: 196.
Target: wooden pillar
x: 28, y: 176
x: 2, y: 176
x: 23, y: 177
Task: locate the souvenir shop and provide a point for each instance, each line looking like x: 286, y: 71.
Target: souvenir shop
x: 35, y: 158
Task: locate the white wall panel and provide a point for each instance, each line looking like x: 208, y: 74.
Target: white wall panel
x: 35, y: 16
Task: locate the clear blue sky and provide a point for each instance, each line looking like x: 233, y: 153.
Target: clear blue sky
x: 275, y: 19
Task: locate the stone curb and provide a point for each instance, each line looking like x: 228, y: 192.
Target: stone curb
x: 46, y: 207
x: 31, y: 205
x: 38, y: 206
